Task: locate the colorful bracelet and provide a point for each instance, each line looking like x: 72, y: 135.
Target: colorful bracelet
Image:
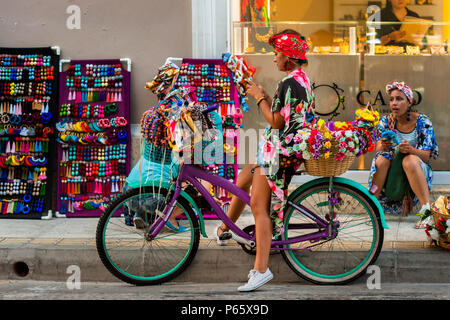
x: 259, y: 100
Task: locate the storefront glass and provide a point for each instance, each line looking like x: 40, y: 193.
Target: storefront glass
x: 350, y: 66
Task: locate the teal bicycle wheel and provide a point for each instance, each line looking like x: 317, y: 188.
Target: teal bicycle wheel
x: 126, y: 250
x: 344, y: 257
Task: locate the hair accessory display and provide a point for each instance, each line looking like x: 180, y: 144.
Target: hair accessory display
x: 93, y: 135
x: 214, y: 83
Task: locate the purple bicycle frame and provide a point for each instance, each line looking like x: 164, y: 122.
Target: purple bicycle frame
x: 191, y: 173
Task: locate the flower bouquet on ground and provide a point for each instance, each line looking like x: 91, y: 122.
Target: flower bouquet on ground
x: 437, y: 222
x: 329, y: 149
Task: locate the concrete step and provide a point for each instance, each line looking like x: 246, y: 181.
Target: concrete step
x: 407, y: 262
x: 49, y: 247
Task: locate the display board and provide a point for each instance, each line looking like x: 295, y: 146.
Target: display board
x: 214, y: 84
x: 28, y: 100
x: 93, y: 136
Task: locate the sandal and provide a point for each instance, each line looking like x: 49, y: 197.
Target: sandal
x: 175, y: 229
x: 222, y: 240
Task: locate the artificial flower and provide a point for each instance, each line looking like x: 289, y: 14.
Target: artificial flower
x: 340, y: 156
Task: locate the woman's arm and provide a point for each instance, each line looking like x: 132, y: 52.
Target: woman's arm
x: 275, y: 119
x: 406, y: 148
x: 393, y: 36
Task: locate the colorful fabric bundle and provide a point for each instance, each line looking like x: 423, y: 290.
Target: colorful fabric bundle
x: 164, y: 79
x: 242, y: 75
x: 178, y: 121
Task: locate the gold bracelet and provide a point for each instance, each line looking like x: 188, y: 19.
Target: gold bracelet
x: 259, y: 100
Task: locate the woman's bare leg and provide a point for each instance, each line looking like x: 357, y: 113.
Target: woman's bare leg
x: 244, y: 182
x: 260, y: 203
x: 379, y: 178
x: 416, y: 178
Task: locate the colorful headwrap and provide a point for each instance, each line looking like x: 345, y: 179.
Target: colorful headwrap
x: 290, y: 45
x: 403, y: 87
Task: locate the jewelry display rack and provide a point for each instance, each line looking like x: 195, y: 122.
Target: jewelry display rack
x: 93, y: 135
x: 28, y: 101
x: 214, y: 84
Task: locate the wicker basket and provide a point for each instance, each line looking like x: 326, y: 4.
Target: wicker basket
x: 329, y: 167
x: 444, y: 239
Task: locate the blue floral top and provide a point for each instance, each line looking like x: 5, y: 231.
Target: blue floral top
x: 425, y: 133
x: 426, y: 140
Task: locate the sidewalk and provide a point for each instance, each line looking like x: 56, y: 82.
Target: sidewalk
x: 49, y: 247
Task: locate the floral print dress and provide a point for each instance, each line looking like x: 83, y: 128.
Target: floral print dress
x: 426, y: 140
x: 294, y: 99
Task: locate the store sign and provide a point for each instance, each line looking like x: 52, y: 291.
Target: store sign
x: 379, y: 98
x: 330, y: 99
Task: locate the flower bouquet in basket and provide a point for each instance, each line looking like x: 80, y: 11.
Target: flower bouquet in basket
x: 437, y: 222
x: 330, y: 148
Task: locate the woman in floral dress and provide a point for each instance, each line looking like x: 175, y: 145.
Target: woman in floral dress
x: 288, y: 111
x: 417, y: 142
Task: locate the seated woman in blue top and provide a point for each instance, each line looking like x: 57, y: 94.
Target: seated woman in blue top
x: 417, y: 145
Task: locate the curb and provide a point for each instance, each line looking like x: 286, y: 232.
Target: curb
x: 398, y: 264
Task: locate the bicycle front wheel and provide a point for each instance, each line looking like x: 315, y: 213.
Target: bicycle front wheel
x: 357, y: 240
x: 126, y: 251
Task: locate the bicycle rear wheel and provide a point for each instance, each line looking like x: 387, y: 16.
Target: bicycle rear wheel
x: 125, y: 250
x: 345, y: 257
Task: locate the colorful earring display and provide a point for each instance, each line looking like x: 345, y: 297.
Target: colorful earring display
x: 100, y: 83
x: 93, y: 135
x: 214, y: 85
x: 27, y: 103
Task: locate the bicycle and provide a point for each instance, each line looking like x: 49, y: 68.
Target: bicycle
x: 323, y: 241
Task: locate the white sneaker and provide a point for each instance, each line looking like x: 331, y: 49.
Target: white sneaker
x: 256, y: 280
x: 222, y: 240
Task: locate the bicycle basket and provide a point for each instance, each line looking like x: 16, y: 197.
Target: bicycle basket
x: 329, y: 167
x: 157, y: 154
